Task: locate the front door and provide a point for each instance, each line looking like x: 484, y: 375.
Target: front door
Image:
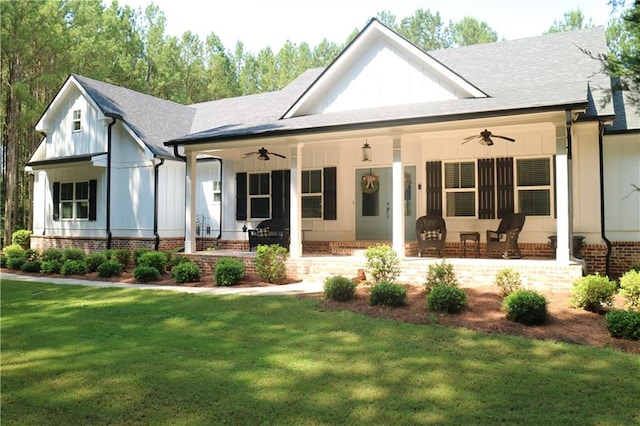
x: 374, y: 212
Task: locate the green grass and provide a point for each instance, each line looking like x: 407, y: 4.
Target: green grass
x: 80, y: 355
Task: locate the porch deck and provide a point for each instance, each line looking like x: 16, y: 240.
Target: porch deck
x: 536, y: 272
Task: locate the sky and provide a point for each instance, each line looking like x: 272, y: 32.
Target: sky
x: 261, y: 23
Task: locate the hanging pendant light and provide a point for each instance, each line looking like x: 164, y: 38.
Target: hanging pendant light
x: 366, y: 152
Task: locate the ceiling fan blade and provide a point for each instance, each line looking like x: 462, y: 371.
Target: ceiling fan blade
x: 468, y: 138
x: 277, y: 155
x: 504, y: 137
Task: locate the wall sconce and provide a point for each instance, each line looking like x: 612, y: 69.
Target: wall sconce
x: 366, y: 152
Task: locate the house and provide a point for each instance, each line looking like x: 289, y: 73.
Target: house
x: 356, y: 152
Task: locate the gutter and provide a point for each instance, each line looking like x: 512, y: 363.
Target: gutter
x: 603, y: 232
x: 155, y: 203
x: 114, y: 117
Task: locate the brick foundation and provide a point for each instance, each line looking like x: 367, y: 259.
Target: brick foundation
x: 88, y: 245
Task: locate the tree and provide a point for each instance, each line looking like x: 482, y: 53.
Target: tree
x: 426, y: 30
x: 470, y: 31
x: 624, y: 58
x: 573, y: 20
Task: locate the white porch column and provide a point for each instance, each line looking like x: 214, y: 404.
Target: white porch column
x: 562, y: 195
x: 398, y: 199
x: 295, y: 215
x: 190, y: 204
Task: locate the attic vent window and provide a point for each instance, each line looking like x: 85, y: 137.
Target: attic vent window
x: 77, y: 121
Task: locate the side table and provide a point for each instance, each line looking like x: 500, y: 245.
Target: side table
x: 474, y: 238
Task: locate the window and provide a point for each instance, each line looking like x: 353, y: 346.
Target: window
x: 77, y: 120
x: 312, y: 193
x: 259, y: 195
x: 533, y: 186
x: 460, y: 188
x: 74, y: 200
x: 217, y: 191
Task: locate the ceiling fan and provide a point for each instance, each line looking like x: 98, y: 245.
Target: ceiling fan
x: 263, y: 154
x: 485, y: 138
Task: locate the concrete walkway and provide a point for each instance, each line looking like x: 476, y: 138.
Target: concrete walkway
x: 304, y: 287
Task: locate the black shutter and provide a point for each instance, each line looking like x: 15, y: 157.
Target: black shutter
x: 329, y: 203
x: 241, y: 196
x: 486, y: 189
x: 434, y: 188
x: 56, y: 200
x: 505, y: 186
x: 93, y: 191
x: 280, y: 194
x: 555, y: 188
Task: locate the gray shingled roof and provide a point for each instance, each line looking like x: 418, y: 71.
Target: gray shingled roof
x: 153, y: 119
x: 627, y: 110
x: 548, y: 71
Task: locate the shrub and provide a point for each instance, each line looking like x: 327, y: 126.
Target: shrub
x: 122, y: 256
x: 623, y: 324
x: 52, y: 254
x: 14, y: 250
x: 440, y: 274
x: 186, y: 272
x: 444, y: 298
x: 228, y: 271
x: 630, y: 289
x: 31, y: 254
x: 109, y: 268
x: 382, y: 263
x: 526, y: 307
x: 3, y: 261
x: 74, y: 267
x: 509, y: 281
x: 270, y: 262
x: 31, y: 266
x: 145, y: 274
x: 94, y: 260
x: 388, y: 294
x: 593, y: 293
x: 16, y: 263
x: 156, y: 259
x: 137, y: 252
x: 339, y: 288
x: 22, y: 237
x: 173, y: 260
x: 52, y: 266
x: 635, y: 266
x: 73, y: 254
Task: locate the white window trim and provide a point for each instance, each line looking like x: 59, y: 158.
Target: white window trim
x: 315, y: 194
x: 75, y: 120
x: 446, y: 190
x: 217, y: 190
x: 251, y: 197
x: 549, y: 187
x: 74, y: 202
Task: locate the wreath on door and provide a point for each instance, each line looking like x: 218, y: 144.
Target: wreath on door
x: 370, y: 184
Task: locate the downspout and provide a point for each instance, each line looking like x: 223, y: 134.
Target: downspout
x: 114, y: 118
x: 156, y: 176
x: 603, y: 232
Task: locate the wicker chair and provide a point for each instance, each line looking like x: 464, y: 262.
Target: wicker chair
x: 431, y: 232
x: 270, y: 231
x: 505, y: 238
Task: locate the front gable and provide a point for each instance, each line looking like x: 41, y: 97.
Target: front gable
x: 380, y: 68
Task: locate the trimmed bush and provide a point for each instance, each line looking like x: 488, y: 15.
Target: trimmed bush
x: 382, y: 263
x: 22, y: 237
x: 186, y: 272
x: 52, y: 266
x: 593, y: 293
x: 122, y: 256
x: 623, y: 324
x: 270, y: 262
x: 340, y: 288
x: 630, y: 289
x: 156, y: 259
x: 444, y: 298
x: 3, y: 261
x: 31, y: 266
x: 74, y: 267
x: 635, y: 266
x: 16, y: 263
x: 439, y: 274
x: 526, y: 307
x: 94, y: 260
x: 388, y: 294
x: 109, y: 268
x: 509, y: 281
x: 137, y: 252
x: 228, y: 271
x: 173, y: 260
x: 14, y: 250
x: 145, y: 274
x: 52, y: 254
x: 73, y: 254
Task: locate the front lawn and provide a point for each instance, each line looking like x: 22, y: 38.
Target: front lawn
x: 82, y: 355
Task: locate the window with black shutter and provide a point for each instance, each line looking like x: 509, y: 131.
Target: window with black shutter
x: 434, y: 188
